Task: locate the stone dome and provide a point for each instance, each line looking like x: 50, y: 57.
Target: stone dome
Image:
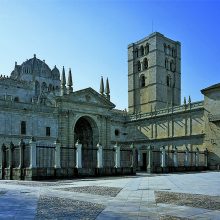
x: 35, y: 66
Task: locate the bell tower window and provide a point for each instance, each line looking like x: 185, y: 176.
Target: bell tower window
x: 165, y: 48
x: 166, y: 63
x: 142, y: 51
x: 142, y: 81
x: 147, y: 49
x: 145, y: 63
x: 168, y: 81
x: 139, y: 66
x: 172, y: 66
x: 136, y: 52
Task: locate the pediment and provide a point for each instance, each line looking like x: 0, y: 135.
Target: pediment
x: 89, y: 96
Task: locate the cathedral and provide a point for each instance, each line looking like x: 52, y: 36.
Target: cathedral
x: 49, y: 130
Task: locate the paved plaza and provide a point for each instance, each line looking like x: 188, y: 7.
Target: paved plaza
x: 144, y: 196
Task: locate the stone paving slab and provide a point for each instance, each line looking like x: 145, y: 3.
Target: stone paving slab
x: 18, y: 205
x: 133, y: 198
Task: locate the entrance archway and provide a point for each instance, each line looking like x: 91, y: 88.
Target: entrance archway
x: 86, y: 131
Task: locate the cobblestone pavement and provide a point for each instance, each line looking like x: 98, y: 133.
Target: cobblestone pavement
x: 185, y: 199
x: 169, y: 196
x: 58, y: 208
x: 96, y: 190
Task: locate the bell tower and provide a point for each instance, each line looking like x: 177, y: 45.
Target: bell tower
x: 154, y: 73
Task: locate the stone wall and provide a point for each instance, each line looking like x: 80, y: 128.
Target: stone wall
x: 36, y: 116
x: 212, y: 124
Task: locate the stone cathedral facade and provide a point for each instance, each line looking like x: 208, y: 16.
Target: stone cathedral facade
x: 49, y: 130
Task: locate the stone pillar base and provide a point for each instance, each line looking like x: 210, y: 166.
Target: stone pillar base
x: 31, y: 174
x: 8, y: 174
x: 1, y: 173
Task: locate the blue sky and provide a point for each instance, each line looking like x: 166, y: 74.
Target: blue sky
x: 91, y: 37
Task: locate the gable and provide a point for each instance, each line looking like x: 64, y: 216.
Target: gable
x: 88, y: 96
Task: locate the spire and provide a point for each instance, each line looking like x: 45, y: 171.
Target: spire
x: 189, y: 100
x: 107, y: 90
x: 184, y: 100
x: 70, y: 83
x: 101, y: 86
x: 63, y: 82
x: 63, y: 79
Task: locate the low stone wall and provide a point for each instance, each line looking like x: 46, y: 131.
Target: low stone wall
x: 63, y: 173
x: 33, y: 162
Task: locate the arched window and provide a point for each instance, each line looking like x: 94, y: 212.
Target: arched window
x: 117, y: 132
x: 23, y: 127
x: 165, y: 48
x: 136, y: 52
x: 48, y: 131
x: 142, y: 80
x: 138, y: 65
x: 147, y: 49
x: 145, y: 64
x: 168, y: 50
x: 168, y: 81
x: 166, y: 63
x: 174, y: 52
x: 172, y: 66
x: 142, y: 51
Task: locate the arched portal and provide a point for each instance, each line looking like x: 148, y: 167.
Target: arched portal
x: 86, y: 131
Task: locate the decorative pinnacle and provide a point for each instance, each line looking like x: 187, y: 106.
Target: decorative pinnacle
x: 70, y: 83
x: 189, y: 99
x: 107, y: 90
x: 63, y: 79
x: 101, y: 86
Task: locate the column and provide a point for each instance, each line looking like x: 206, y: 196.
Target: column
x: 197, y: 157
x: 2, y: 160
x: 175, y: 159
x: 78, y: 155
x: 10, y: 149
x: 132, y: 155
x: 57, y: 154
x: 1, y: 156
x: 117, y: 156
x: 206, y: 157
x: 33, y: 153
x: 186, y: 162
x: 99, y: 156
x: 21, y: 146
x: 150, y: 160
x: 163, y: 157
